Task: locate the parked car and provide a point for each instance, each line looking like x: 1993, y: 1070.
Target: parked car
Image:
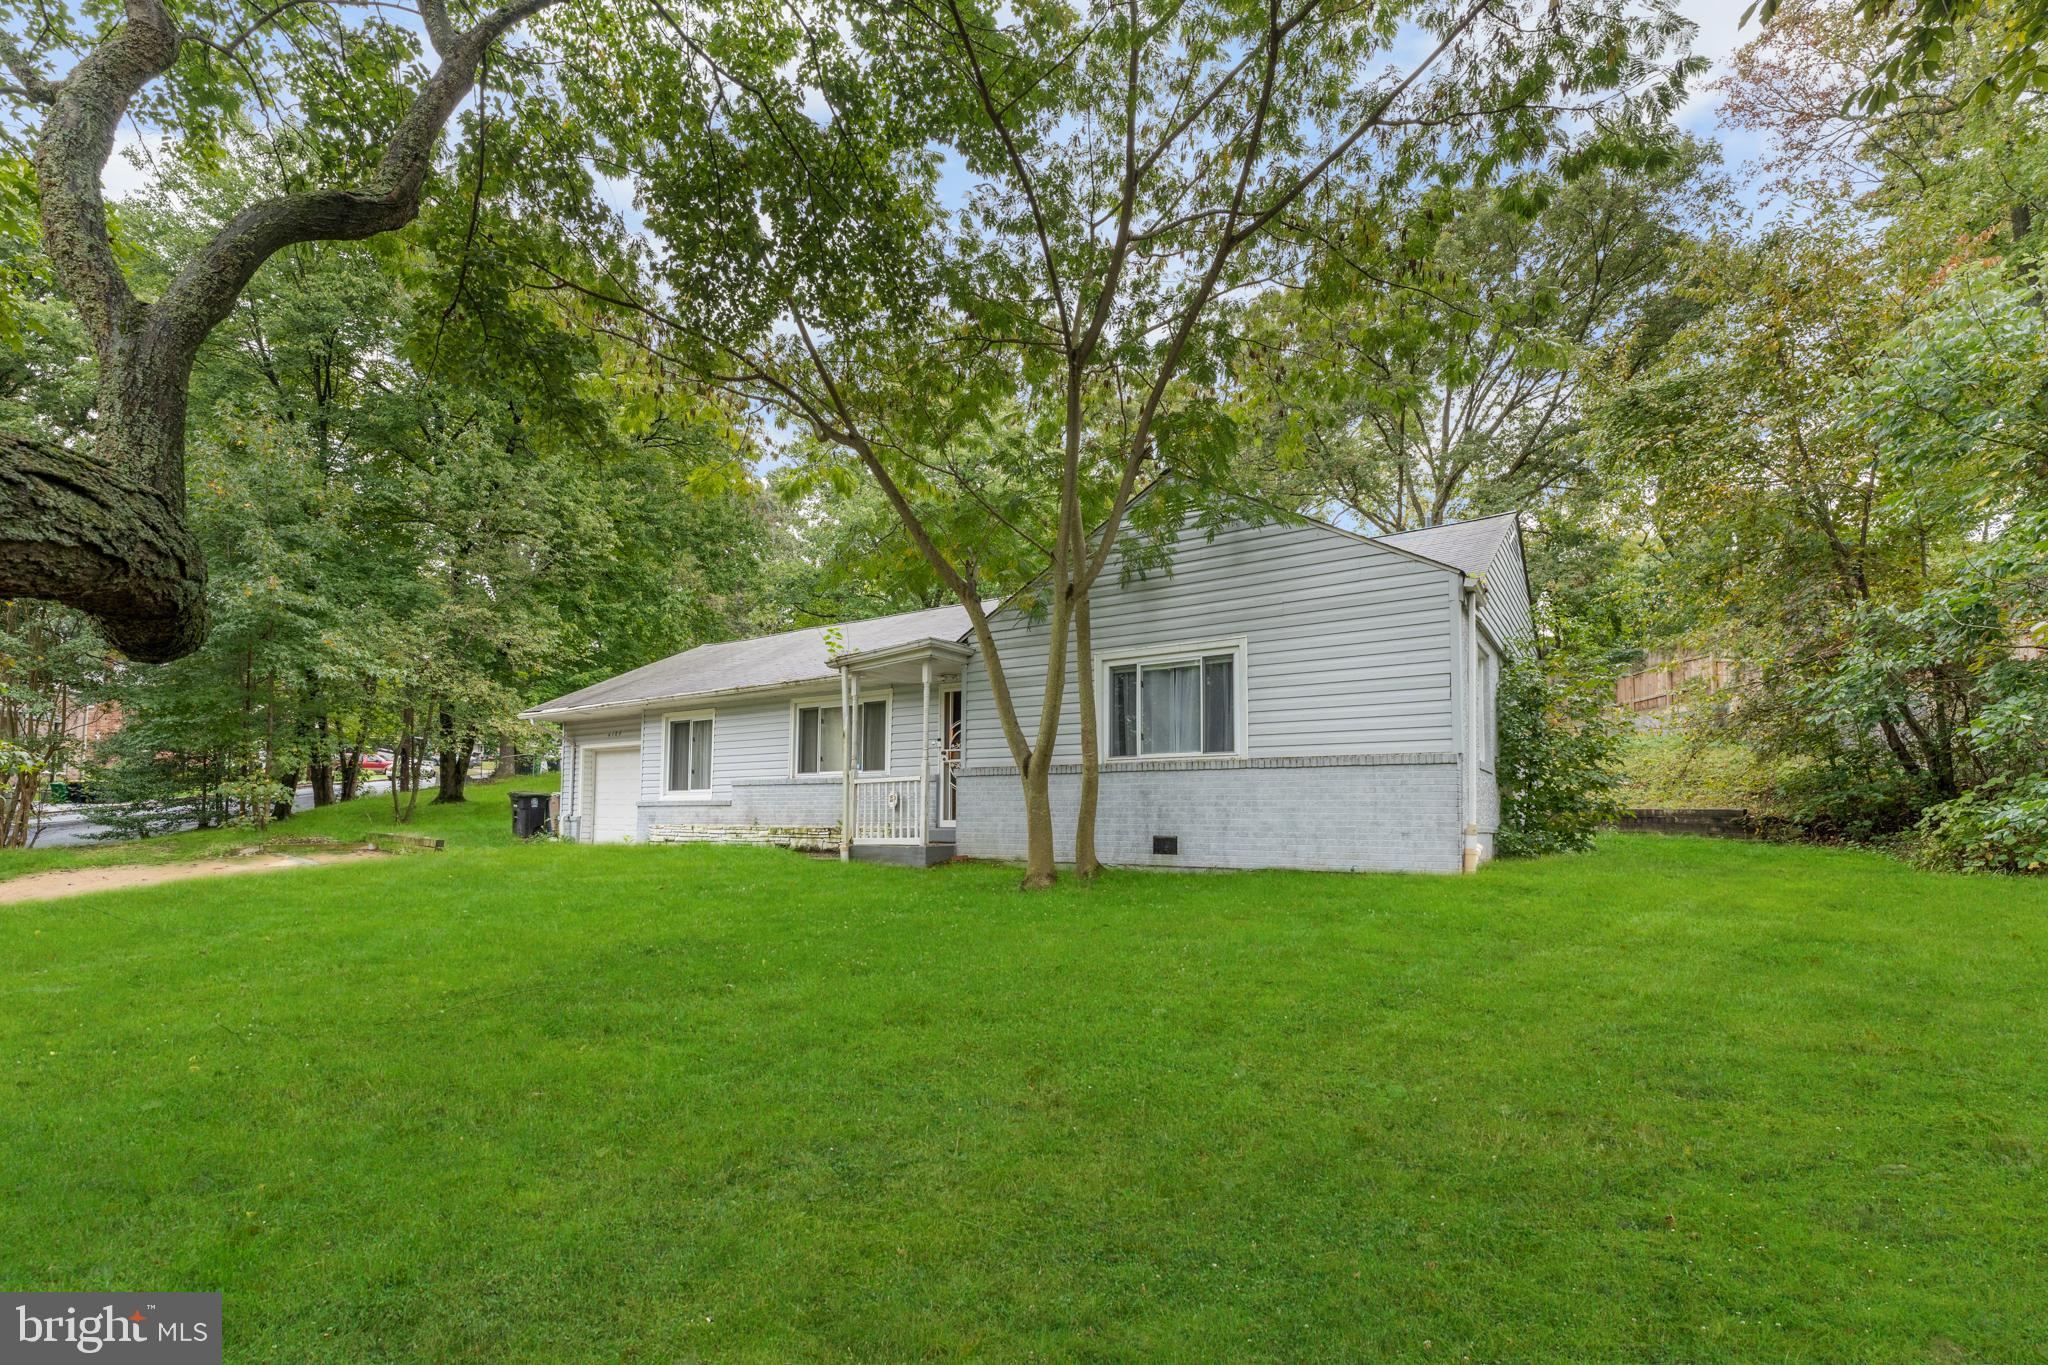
x: 375, y: 765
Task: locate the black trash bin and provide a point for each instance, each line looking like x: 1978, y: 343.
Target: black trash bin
x: 529, y: 814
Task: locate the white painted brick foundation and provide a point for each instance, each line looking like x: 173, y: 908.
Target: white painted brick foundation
x: 1392, y: 813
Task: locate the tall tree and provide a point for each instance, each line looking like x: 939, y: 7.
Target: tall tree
x: 891, y: 219
x: 104, y: 527
x: 1916, y: 39
x: 425, y: 504
x: 1451, y: 385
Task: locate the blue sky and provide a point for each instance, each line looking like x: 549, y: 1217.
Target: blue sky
x: 1720, y: 33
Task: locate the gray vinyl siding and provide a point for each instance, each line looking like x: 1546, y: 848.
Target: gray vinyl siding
x: 1352, y: 742
x: 752, y: 779
x: 577, y: 738
x: 1505, y: 613
x: 1349, y: 646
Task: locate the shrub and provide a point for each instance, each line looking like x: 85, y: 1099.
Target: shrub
x: 1854, y: 796
x: 1560, y: 758
x: 1691, y: 764
x: 1999, y: 827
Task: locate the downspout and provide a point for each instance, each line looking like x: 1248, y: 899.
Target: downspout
x: 845, y: 764
x: 1474, y: 594
x: 924, y: 760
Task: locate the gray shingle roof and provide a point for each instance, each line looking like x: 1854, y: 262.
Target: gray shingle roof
x: 1466, y: 545
x: 795, y: 656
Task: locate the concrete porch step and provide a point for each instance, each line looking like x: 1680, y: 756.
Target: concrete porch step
x: 904, y: 855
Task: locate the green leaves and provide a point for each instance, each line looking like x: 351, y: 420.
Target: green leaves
x: 1560, y: 757
x: 1435, y: 365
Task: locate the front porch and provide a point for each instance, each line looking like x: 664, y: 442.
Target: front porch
x: 903, y: 818
x: 890, y: 747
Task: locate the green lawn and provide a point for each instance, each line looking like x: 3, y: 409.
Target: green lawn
x: 1674, y: 1100
x: 485, y: 818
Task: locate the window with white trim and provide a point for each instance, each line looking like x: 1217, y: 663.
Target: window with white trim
x: 1489, y: 705
x: 687, y: 760
x: 1176, y: 706
x: 821, y: 738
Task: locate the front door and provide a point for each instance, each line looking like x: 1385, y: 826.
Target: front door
x: 952, y: 731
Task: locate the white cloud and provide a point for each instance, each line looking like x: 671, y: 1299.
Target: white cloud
x: 1721, y: 31
x: 128, y: 169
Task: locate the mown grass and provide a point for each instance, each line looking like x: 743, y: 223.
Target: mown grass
x: 1673, y: 1100
x: 484, y: 819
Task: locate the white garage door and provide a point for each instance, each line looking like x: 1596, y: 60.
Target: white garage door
x: 614, y: 794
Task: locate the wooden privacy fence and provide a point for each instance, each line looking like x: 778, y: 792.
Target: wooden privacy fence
x: 1667, y: 678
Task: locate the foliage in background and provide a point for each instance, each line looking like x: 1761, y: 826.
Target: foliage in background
x: 2001, y: 826
x: 1913, y: 39
x: 1443, y: 381
x: 1559, y: 756
x: 53, y: 665
x: 1839, y: 457
x: 426, y: 504
x: 1692, y: 766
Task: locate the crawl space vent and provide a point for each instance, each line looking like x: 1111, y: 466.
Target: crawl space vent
x: 1165, y: 843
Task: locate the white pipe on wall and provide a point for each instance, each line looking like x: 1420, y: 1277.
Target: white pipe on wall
x: 846, y: 764
x: 924, y: 761
x: 1469, y: 623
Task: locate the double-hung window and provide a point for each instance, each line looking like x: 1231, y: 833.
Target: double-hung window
x: 821, y: 738
x: 688, y: 758
x: 1176, y: 706
x: 1489, y: 703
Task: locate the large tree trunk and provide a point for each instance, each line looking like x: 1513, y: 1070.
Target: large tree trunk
x: 282, y: 809
x: 320, y: 763
x: 1039, y: 870
x: 77, y: 531
x: 454, y: 758
x: 1085, y: 863
x: 16, y: 810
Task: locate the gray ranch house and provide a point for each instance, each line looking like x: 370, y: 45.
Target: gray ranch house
x: 1286, y: 694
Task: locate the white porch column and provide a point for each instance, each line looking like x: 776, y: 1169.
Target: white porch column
x: 924, y: 760
x: 1470, y: 764
x: 846, y: 765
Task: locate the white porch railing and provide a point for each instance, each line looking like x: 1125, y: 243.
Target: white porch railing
x: 886, y: 810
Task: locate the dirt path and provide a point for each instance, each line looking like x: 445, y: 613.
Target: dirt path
x: 38, y: 886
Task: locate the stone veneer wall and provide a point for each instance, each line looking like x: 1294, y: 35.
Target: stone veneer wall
x: 765, y: 801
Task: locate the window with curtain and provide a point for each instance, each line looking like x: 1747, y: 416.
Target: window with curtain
x: 1173, y: 706
x: 689, y: 754
x: 821, y: 738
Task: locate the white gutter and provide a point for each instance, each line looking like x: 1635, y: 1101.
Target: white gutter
x: 555, y: 715
x: 1472, y: 597
x: 847, y: 697
x: 909, y: 651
